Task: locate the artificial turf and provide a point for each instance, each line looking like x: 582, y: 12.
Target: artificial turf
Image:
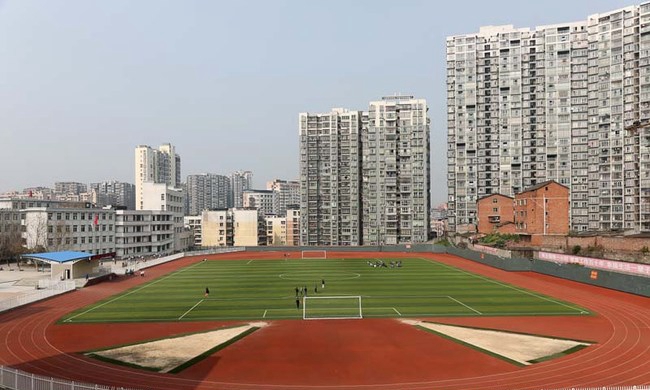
x: 265, y: 289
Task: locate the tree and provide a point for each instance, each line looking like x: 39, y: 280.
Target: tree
x: 61, y: 236
x: 11, y: 243
x: 36, y: 230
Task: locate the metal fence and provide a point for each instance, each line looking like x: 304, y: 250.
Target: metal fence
x: 13, y: 379
x: 27, y: 298
x: 642, y: 387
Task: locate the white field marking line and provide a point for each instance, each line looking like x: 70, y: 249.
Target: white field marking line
x: 249, y: 261
x: 472, y: 309
x: 198, y: 303
x: 511, y: 287
x: 248, y: 299
x: 134, y: 291
x: 264, y: 316
x: 243, y: 318
x: 398, y: 313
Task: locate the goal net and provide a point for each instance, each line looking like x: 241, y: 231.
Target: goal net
x: 314, y: 254
x: 323, y: 308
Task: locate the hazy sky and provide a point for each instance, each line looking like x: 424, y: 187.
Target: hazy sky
x: 83, y: 82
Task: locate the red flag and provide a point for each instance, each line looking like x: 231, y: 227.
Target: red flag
x: 96, y: 221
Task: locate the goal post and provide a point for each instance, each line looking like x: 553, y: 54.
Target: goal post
x: 331, y: 308
x: 314, y: 254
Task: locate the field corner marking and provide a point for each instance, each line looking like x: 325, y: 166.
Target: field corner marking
x: 400, y: 314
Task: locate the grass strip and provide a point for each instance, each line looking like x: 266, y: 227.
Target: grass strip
x: 122, y: 363
x: 512, y: 332
x: 162, y: 338
x: 559, y: 354
x: 472, y: 346
x: 209, y: 352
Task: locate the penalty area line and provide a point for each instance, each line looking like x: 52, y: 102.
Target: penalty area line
x: 469, y: 307
x: 192, y: 308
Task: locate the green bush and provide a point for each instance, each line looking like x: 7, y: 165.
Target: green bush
x: 645, y: 250
x: 596, y: 250
x: 576, y: 249
x: 498, y: 240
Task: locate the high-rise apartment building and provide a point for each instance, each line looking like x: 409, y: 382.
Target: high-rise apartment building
x: 330, y: 177
x: 287, y: 192
x: 115, y: 193
x: 364, y: 176
x: 568, y: 102
x: 240, y: 181
x: 206, y: 192
x: 158, y: 187
x: 396, y: 172
x: 69, y: 187
x: 160, y: 165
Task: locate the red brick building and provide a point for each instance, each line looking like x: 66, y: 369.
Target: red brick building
x: 542, y: 210
x: 495, y: 214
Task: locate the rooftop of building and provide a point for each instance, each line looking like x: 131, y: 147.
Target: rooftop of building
x: 541, y: 185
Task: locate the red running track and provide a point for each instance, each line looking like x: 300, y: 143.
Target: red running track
x: 346, y: 354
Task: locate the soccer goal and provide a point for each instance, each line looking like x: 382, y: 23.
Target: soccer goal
x: 314, y: 254
x: 330, y: 308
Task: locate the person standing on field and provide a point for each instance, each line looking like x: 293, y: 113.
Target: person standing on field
x: 297, y: 303
x: 322, y: 284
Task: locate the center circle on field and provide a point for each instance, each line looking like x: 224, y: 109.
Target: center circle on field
x: 308, y: 275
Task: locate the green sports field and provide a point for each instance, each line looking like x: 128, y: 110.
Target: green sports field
x: 265, y: 289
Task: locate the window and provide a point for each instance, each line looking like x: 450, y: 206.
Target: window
x: 495, y: 210
x: 495, y: 200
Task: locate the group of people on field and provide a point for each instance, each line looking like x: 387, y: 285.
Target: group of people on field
x: 302, y: 291
x: 381, y: 263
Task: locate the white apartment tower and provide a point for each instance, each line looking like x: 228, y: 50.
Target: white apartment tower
x: 240, y: 181
x: 567, y: 102
x: 396, y: 172
x: 160, y: 165
x: 330, y: 177
x: 262, y: 200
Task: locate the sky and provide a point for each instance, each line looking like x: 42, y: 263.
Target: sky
x: 82, y: 82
